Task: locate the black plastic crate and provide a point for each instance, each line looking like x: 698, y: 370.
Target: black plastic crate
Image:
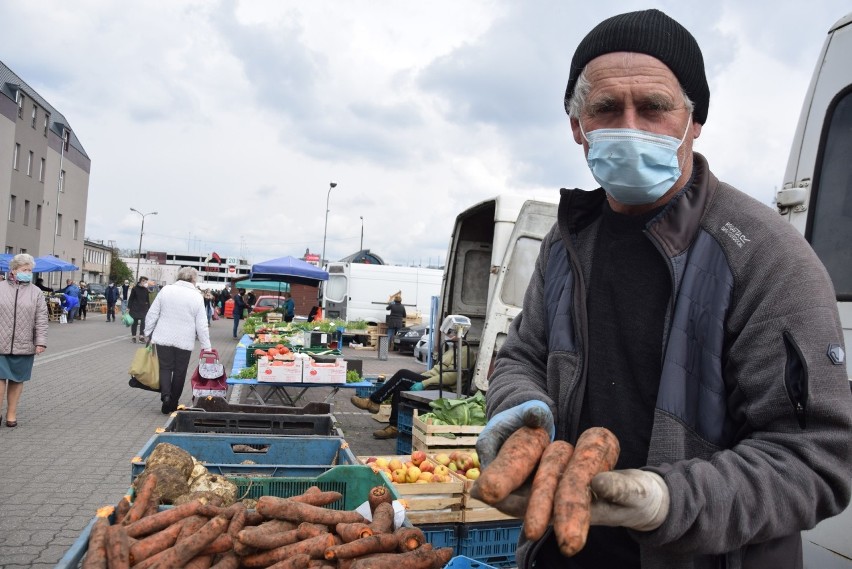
x: 250, y: 423
x: 405, y: 419
x: 213, y: 403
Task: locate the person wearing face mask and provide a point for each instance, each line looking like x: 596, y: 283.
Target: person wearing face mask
x: 23, y: 332
x: 685, y: 317
x: 138, y: 304
x: 112, y: 294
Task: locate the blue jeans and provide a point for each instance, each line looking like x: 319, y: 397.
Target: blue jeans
x: 399, y: 382
x: 236, y: 323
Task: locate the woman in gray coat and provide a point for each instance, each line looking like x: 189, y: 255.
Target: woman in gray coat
x: 23, y: 331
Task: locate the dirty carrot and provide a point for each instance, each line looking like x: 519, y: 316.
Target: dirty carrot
x: 410, y: 538
x: 152, y: 508
x: 144, y: 495
x: 96, y: 558
x: 420, y: 558
x: 596, y: 451
x: 351, y: 532
x: 513, y: 464
x: 160, y: 520
x: 299, y: 561
x: 117, y: 547
x: 268, y: 540
x: 318, y: 498
x: 308, y: 530
x: 122, y: 508
x: 254, y: 519
x: 221, y: 544
x: 553, y: 463
x: 379, y: 543
x: 188, y: 547
x: 200, y: 562
x: 314, y: 547
x: 377, y: 495
x: 227, y: 561
x: 382, y: 519
x: 154, y: 543
x: 285, y: 509
x: 238, y: 522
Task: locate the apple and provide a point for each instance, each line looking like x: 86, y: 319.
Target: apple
x: 475, y: 458
x: 463, y: 462
x: 426, y: 466
x: 421, y: 481
x: 395, y: 464
x: 453, y: 466
x: 439, y: 478
x: 382, y: 462
x: 371, y: 459
x: 418, y: 457
x: 442, y: 458
x: 472, y: 473
x: 442, y: 470
x: 412, y: 474
x: 399, y: 475
x: 425, y: 477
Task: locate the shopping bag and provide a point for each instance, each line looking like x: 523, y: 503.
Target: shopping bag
x: 63, y: 318
x: 127, y: 319
x: 209, y: 378
x: 209, y: 366
x: 145, y: 368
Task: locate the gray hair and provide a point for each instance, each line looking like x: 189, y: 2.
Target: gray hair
x: 21, y: 260
x: 582, y: 88
x: 187, y: 274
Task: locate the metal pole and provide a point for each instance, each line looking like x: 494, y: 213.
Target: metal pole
x: 362, y: 233
x: 325, y: 230
x: 139, y: 251
x: 58, y: 193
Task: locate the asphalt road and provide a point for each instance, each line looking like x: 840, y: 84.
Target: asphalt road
x: 79, y: 424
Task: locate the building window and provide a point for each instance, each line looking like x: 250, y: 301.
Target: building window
x: 15, y: 156
x: 26, y: 212
x: 30, y: 164
x: 13, y: 204
x: 21, y: 105
x: 76, y: 229
x: 10, y: 250
x: 62, y: 181
x: 23, y: 250
x: 66, y: 136
x: 46, y: 123
x: 35, y: 116
x: 59, y: 224
x: 41, y: 171
x: 38, y: 217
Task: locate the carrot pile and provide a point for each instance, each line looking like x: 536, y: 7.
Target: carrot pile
x: 560, y: 493
x: 281, y: 533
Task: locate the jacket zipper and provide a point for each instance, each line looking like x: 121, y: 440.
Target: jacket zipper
x: 796, y: 379
x: 14, y: 323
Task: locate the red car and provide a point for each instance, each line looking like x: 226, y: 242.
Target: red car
x: 267, y: 303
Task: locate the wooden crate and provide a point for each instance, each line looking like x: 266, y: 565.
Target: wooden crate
x: 429, y: 438
x: 430, y: 502
x: 274, y: 317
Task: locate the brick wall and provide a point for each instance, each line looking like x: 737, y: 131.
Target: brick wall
x: 305, y: 296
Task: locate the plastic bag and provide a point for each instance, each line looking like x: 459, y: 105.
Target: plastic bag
x: 127, y: 319
x: 145, y: 368
x: 63, y: 318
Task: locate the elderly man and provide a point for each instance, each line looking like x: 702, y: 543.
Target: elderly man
x: 685, y: 317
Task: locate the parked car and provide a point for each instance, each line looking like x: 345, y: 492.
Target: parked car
x: 267, y: 303
x: 406, y: 338
x: 421, y: 350
x: 96, y: 288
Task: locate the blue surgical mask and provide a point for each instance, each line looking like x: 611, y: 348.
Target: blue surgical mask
x: 24, y: 278
x: 635, y: 167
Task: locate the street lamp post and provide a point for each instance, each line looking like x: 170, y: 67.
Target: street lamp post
x: 141, y: 231
x: 362, y: 233
x: 325, y: 231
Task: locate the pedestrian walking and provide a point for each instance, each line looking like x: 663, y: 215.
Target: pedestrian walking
x: 138, y: 305
x: 23, y: 333
x: 112, y: 295
x: 176, y: 318
x: 125, y: 296
x: 239, y: 306
x: 84, y: 300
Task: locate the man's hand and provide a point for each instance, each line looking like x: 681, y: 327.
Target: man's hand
x: 503, y: 424
x: 630, y: 498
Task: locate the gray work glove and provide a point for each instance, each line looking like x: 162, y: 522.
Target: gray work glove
x: 632, y: 498
x: 503, y: 424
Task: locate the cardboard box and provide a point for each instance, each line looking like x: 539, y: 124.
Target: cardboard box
x: 315, y: 372
x: 281, y: 372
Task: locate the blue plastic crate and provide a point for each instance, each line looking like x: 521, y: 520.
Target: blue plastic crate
x: 462, y: 562
x: 250, y: 424
x: 403, y: 444
x: 276, y: 455
x: 493, y: 543
x: 440, y: 535
x: 405, y: 419
x: 366, y: 391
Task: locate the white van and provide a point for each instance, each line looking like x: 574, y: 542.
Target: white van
x: 491, y: 256
x: 816, y: 197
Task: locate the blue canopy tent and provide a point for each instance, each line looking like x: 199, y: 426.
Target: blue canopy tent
x: 45, y: 264
x: 287, y: 270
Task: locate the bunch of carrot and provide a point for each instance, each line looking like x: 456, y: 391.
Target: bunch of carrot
x: 281, y: 533
x: 560, y: 493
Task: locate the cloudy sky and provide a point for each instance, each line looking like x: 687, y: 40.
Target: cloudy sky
x: 230, y: 118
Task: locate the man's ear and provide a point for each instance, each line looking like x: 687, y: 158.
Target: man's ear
x: 696, y: 129
x: 575, y: 129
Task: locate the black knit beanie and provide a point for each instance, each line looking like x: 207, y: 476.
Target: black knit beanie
x: 653, y: 33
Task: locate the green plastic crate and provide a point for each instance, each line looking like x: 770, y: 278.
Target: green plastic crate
x: 352, y: 481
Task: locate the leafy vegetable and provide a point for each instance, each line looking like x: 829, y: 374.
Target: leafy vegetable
x: 352, y: 376
x: 469, y: 411
x: 248, y: 372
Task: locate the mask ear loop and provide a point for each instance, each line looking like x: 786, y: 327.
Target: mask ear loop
x: 685, y: 132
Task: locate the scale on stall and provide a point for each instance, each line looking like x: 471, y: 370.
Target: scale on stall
x: 457, y: 325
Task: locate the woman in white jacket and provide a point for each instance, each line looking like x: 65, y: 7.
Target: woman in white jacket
x: 176, y: 318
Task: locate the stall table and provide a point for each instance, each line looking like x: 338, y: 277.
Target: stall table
x: 279, y: 390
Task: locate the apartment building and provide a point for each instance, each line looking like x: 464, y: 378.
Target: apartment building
x: 44, y: 177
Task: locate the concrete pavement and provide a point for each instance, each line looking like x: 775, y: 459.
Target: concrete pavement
x: 79, y: 424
